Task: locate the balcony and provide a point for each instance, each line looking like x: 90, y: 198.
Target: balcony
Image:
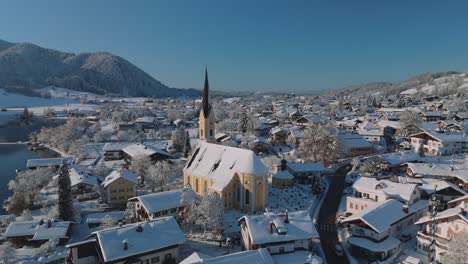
x: 364, y: 232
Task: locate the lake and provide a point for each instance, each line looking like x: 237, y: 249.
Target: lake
x: 14, y: 156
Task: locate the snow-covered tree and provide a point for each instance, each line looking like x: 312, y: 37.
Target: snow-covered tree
x: 178, y: 139
x: 26, y: 186
x: 316, y: 185
x: 457, y: 249
x: 319, y: 143
x: 207, y: 214
x: 108, y: 222
x: 48, y: 247
x: 187, y: 146
x: 25, y: 216
x: 129, y: 213
x: 409, y: 121
x: 7, y: 253
x: 140, y: 167
x: 65, y: 200
x: 158, y: 175
x: 244, y: 122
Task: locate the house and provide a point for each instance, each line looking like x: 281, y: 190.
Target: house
x: 48, y: 162
x: 278, y: 232
x: 308, y: 119
x: 283, y: 178
x: 367, y: 192
x: 454, y: 173
x: 259, y: 256
x: 303, y: 172
x: 279, y: 134
x: 155, y: 241
x: 374, y: 230
x: 352, y: 144
x: 114, y: 150
x: 297, y: 135
x: 96, y: 219
x: 146, y: 122
x: 161, y: 204
x: 430, y: 116
x: 439, y: 143
x: 144, y: 151
x: 119, y: 186
x: 448, y: 224
x: 235, y: 174
x: 82, y: 181
x: 36, y: 233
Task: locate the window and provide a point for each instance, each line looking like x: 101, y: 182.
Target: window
x: 155, y: 260
x: 201, y: 133
x: 173, y: 210
x: 168, y: 256
x: 225, y: 195
x: 158, y: 214
x: 351, y: 205
x: 188, y: 180
x: 281, y: 249
x: 247, y: 197
x: 211, y: 132
x: 164, y: 212
x: 196, y: 185
x: 225, y: 205
x: 205, y: 187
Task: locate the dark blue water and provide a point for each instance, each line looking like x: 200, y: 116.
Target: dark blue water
x: 14, y: 156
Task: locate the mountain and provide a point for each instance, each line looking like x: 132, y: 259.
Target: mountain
x: 28, y: 66
x: 419, y: 82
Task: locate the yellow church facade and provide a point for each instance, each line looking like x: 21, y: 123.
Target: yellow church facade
x: 237, y: 175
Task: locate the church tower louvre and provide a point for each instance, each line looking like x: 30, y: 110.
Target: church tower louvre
x: 206, y: 127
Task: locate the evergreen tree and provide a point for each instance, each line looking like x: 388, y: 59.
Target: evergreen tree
x: 316, y: 186
x: 65, y: 201
x: 187, y: 147
x: 244, y: 122
x: 178, y: 139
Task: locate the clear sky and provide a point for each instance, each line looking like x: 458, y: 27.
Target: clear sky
x: 254, y: 45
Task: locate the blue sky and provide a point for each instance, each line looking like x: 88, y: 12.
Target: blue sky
x: 254, y: 45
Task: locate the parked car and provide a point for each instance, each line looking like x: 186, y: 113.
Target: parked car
x: 339, y: 249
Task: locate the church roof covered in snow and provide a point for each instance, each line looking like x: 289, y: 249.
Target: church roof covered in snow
x: 220, y: 163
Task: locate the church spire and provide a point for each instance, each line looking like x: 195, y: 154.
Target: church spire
x: 206, y: 107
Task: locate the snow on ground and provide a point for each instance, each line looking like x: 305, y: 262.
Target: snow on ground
x: 295, y: 198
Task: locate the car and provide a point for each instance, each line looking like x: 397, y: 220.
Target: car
x: 405, y: 238
x: 339, y: 250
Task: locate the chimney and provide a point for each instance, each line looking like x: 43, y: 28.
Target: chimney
x: 452, y: 168
x: 49, y: 223
x: 139, y: 228
x: 125, y: 244
x: 270, y: 227
x: 286, y: 217
x: 405, y: 208
x: 41, y: 222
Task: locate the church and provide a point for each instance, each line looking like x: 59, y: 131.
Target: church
x: 235, y: 174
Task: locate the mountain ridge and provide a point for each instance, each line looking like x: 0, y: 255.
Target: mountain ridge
x: 29, y: 66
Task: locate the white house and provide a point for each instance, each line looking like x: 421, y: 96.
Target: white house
x: 374, y: 230
x: 440, y: 144
x: 278, y: 233
x: 161, y: 204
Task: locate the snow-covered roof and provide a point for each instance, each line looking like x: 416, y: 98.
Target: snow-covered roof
x: 300, y: 227
x: 259, y: 256
x: 400, y: 157
x: 382, y: 246
x: 138, y: 150
x: 459, y: 171
x: 78, y: 175
x: 145, y: 119
x: 283, y: 175
x: 458, y: 211
x: 196, y: 257
x: 447, y: 137
x: 96, y: 218
x: 298, y: 256
x: 348, y: 140
x: 389, y: 189
x: 382, y: 215
x: 38, y: 231
x: 117, y: 174
x: 115, y: 146
x: 31, y: 163
x: 220, y: 163
x: 305, y: 167
x: 155, y: 202
x: 154, y: 235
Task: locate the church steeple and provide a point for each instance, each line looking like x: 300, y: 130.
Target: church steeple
x: 206, y: 119
x: 206, y: 107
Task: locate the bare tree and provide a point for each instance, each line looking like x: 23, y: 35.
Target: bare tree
x: 158, y: 175
x: 409, y: 121
x: 457, y: 249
